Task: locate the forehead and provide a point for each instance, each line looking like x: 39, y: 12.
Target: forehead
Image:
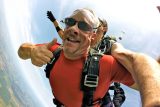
x: 84, y: 15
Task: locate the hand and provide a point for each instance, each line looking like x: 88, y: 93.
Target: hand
x: 41, y: 55
x: 106, y: 44
x: 110, y: 41
x: 50, y: 16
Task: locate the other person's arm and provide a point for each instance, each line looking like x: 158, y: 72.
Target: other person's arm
x: 145, y: 71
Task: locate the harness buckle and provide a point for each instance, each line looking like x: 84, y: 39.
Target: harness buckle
x: 91, y: 80
x: 52, y: 60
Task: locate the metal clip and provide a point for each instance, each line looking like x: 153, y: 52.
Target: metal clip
x: 91, y: 80
x: 51, y: 61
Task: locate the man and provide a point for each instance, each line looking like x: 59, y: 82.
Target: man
x: 79, y: 36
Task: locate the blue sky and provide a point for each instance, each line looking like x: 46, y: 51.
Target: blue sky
x: 137, y: 21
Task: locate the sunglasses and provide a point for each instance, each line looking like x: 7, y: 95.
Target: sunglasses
x: 81, y: 24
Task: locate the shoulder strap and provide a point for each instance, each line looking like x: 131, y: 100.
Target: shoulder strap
x: 50, y: 65
x: 90, y: 77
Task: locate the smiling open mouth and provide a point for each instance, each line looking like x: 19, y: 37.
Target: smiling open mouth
x: 73, y: 40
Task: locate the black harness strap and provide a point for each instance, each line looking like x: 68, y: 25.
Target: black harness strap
x: 57, y: 103
x: 48, y: 69
x: 50, y: 65
x: 90, y: 78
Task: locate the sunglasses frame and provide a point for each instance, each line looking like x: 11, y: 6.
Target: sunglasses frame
x: 81, y: 24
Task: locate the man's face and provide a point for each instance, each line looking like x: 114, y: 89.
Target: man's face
x: 77, y: 38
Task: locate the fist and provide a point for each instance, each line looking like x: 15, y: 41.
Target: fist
x: 41, y: 55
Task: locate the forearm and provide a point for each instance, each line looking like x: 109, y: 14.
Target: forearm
x: 145, y: 71
x: 124, y: 56
x: 24, y: 50
x: 147, y: 75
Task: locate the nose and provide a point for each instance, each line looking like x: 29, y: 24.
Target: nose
x: 74, y: 29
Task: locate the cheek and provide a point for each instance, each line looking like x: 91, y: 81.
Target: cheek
x: 83, y: 40
x: 65, y: 33
x: 84, y: 36
x: 86, y: 40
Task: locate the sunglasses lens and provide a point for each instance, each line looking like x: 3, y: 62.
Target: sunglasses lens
x: 84, y: 26
x: 70, y: 22
x: 81, y: 24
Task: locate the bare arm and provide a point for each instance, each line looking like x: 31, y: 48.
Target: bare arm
x: 145, y: 71
x: 39, y: 55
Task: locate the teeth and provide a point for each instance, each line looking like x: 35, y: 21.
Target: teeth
x: 72, y: 40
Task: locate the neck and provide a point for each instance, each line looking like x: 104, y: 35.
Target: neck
x: 75, y: 57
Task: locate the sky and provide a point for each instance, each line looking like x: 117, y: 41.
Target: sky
x: 136, y: 21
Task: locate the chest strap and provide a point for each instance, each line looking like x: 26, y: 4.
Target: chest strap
x: 90, y: 78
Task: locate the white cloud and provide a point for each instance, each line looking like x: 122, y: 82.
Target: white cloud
x: 18, y: 17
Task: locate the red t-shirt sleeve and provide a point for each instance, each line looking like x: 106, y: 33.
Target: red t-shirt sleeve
x: 120, y: 74
x: 53, y: 48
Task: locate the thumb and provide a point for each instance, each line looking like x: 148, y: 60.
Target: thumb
x: 53, y: 42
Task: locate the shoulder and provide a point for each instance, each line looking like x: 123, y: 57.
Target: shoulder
x: 106, y: 62
x: 110, y: 62
x: 107, y: 58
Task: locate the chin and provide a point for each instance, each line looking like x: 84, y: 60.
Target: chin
x: 68, y: 51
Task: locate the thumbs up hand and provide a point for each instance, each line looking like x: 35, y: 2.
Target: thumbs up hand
x: 41, y: 55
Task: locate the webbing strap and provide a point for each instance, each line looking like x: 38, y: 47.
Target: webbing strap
x: 57, y: 103
x: 90, y: 78
x: 50, y: 65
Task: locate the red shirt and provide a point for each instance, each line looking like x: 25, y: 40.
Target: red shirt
x: 65, y: 79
